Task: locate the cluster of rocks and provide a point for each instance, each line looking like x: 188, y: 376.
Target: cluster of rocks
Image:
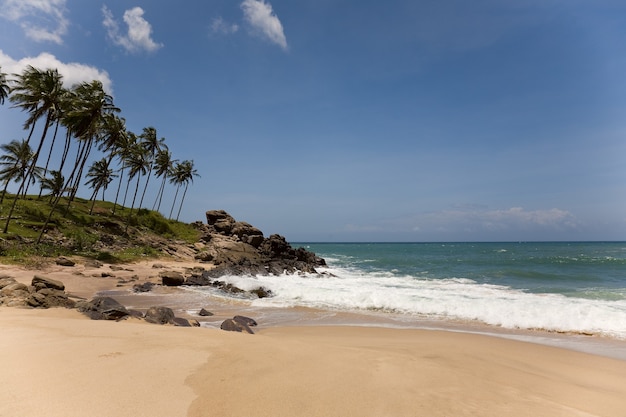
x: 238, y: 248
x: 46, y: 293
x: 42, y: 293
x: 107, y: 308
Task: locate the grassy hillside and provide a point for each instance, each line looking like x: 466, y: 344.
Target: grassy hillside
x: 101, y: 235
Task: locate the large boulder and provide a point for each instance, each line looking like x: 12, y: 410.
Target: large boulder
x: 172, y: 278
x: 160, y: 315
x: 103, y: 308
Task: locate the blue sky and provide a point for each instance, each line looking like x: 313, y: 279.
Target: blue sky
x: 347, y: 120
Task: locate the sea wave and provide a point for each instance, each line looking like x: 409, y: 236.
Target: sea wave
x: 454, y: 298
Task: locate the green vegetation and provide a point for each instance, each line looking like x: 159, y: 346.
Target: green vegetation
x: 84, y: 230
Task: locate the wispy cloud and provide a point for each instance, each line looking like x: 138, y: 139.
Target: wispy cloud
x: 139, y: 35
x: 476, y: 222
x: 41, y: 20
x: 262, y: 19
x: 219, y: 26
x: 73, y: 72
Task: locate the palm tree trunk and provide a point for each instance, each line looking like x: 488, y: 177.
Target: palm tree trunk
x: 145, y: 188
x: 174, y: 202
x: 54, y: 137
x: 119, y: 185
x: 181, y: 201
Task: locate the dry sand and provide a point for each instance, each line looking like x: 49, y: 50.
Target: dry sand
x: 58, y: 363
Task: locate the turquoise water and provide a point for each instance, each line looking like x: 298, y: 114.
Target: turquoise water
x: 595, y: 270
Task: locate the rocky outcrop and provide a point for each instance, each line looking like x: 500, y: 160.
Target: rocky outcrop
x: 238, y: 248
x: 42, y: 293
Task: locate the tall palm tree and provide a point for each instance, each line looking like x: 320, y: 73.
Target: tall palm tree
x: 137, y: 164
x: 100, y: 176
x: 183, y: 173
x: 14, y: 162
x: 187, y: 176
x: 39, y: 92
x: 163, y: 165
x: 4, y: 87
x: 89, y: 104
x: 86, y: 119
x: 55, y: 183
x: 152, y: 145
x: 115, y: 142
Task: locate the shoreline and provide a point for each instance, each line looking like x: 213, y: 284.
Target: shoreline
x: 84, y: 281
x: 57, y: 362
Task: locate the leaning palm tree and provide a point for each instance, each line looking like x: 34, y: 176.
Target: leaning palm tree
x: 55, y: 183
x: 183, y: 173
x: 163, y: 165
x: 39, y: 93
x: 137, y: 164
x: 86, y: 119
x: 187, y: 175
x: 100, y: 176
x: 116, y: 141
x: 14, y: 163
x: 152, y: 145
x: 4, y: 87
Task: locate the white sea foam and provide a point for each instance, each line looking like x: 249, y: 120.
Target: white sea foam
x: 453, y: 298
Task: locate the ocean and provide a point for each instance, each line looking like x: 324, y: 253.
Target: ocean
x: 565, y: 287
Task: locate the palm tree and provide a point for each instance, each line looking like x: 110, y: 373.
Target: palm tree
x: 137, y: 164
x: 54, y: 183
x: 4, y: 87
x: 100, y: 176
x: 87, y: 105
x: 86, y: 119
x: 15, y: 162
x: 116, y: 141
x: 38, y: 92
x: 163, y: 164
x: 183, y: 173
x: 152, y: 146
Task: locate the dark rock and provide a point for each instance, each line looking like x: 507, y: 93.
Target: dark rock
x: 245, y: 320
x: 180, y: 322
x: 64, y: 261
x: 262, y: 292
x: 172, y: 278
x: 159, y: 315
x: 145, y: 287
x: 48, y: 298
x: 40, y: 282
x: 204, y: 313
x: 201, y: 280
x: 231, y: 325
x: 103, y: 308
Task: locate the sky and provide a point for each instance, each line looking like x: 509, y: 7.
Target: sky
x: 345, y: 120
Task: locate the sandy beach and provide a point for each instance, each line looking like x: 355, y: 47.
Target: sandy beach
x: 57, y: 362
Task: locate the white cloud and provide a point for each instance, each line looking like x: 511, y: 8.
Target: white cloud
x: 219, y: 26
x: 262, y: 19
x: 73, y: 72
x: 139, y: 35
x: 41, y: 20
x: 513, y: 219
